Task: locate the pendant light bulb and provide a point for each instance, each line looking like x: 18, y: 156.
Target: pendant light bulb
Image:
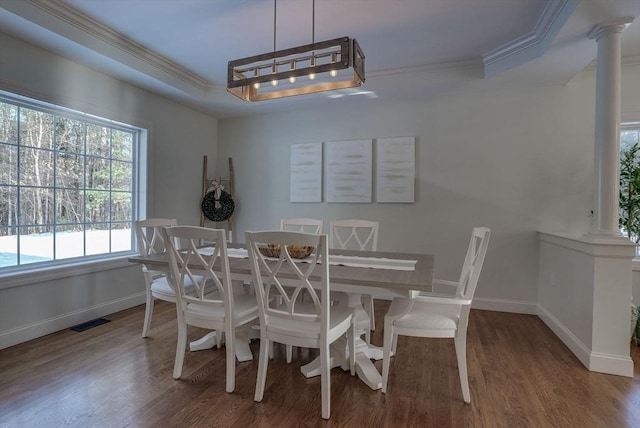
x: 292, y: 79
x: 256, y: 73
x: 312, y: 75
x: 334, y: 72
x: 274, y: 70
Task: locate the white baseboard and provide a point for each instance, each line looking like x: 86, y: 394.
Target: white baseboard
x: 611, y: 364
x: 597, y: 362
x: 503, y: 305
x: 40, y: 328
x: 574, y: 344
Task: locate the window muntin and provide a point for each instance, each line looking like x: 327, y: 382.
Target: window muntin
x: 67, y: 185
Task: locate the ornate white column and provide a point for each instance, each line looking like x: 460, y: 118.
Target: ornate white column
x: 607, y: 126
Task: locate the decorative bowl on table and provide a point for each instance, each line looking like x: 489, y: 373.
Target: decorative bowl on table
x: 295, y: 251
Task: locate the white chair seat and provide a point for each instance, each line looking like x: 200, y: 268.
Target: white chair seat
x: 435, y: 316
x: 339, y: 320
x: 161, y: 286
x: 243, y: 306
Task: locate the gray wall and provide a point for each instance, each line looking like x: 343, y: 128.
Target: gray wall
x: 178, y: 137
x: 517, y: 160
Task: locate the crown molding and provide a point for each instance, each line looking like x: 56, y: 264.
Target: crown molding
x: 532, y: 44
x: 56, y: 16
x: 442, y: 66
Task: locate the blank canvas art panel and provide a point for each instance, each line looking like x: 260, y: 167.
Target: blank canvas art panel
x: 306, y: 172
x: 348, y: 171
x: 395, y: 169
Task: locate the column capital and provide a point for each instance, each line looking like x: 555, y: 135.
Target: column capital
x: 609, y: 27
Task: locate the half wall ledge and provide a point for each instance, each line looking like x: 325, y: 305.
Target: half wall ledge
x: 584, y: 296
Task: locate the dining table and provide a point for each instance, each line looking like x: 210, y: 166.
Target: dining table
x: 381, y: 274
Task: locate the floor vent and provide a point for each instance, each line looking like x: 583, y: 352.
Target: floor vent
x: 90, y: 324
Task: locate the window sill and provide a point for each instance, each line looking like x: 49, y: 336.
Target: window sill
x: 49, y: 273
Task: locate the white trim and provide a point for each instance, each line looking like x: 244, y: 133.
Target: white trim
x: 611, y: 364
x: 532, y: 44
x: 43, y: 327
x: 49, y: 273
x: 74, y: 25
x: 504, y: 305
x: 593, y: 361
x: 593, y: 245
x: 572, y: 342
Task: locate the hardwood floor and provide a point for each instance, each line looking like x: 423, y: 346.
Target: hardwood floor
x: 520, y: 375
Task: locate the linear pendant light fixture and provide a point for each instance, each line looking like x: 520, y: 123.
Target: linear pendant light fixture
x: 316, y: 67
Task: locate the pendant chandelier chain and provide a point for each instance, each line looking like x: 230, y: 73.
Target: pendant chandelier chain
x: 313, y: 21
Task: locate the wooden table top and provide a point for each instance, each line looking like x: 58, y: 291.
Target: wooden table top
x: 344, y: 278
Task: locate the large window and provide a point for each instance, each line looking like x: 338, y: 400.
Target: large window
x: 630, y: 181
x: 67, y: 185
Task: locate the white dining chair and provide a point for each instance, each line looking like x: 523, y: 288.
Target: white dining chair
x: 151, y: 241
x: 362, y: 235
x: 439, y: 316
x: 223, y: 311
x: 307, y: 225
x: 316, y: 324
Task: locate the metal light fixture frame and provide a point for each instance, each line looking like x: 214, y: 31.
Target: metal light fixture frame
x: 243, y: 74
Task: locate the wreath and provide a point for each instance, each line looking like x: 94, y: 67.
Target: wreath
x: 217, y: 208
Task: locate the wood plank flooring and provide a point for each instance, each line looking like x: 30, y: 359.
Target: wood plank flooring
x: 520, y: 375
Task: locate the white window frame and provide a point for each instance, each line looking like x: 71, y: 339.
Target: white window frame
x: 30, y: 273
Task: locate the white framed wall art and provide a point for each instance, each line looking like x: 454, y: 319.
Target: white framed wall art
x: 395, y: 169
x: 306, y: 172
x: 348, y: 169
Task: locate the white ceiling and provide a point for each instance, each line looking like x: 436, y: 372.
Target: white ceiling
x: 413, y: 48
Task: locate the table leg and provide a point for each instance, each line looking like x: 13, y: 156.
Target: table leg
x: 243, y: 337
x: 365, y: 369
x: 207, y: 341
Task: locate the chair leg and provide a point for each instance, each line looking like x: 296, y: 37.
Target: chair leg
x: 394, y: 344
x: 230, y: 344
x: 389, y: 341
x: 351, y: 337
x: 289, y: 353
x: 325, y: 382
x: 461, y: 352
x: 148, y: 314
x: 181, y: 349
x: 263, y: 362
x: 219, y: 338
x: 367, y: 303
